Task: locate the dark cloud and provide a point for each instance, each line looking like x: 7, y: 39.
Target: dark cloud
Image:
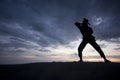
x: 42, y: 23
x: 109, y: 12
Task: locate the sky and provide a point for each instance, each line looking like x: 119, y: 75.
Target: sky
x: 44, y: 30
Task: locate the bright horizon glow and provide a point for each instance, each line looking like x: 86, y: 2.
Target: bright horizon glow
x: 66, y: 53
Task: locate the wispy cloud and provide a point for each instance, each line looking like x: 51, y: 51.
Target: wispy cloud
x: 46, y: 28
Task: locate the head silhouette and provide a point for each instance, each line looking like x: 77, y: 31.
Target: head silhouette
x: 85, y: 21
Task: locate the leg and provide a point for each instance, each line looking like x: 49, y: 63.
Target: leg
x: 97, y: 47
x: 80, y: 49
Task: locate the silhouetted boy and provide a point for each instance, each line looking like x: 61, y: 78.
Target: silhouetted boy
x: 88, y: 38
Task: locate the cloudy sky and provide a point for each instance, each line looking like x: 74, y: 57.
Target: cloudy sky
x: 44, y: 30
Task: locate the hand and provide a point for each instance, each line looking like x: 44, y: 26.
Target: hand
x: 77, y: 23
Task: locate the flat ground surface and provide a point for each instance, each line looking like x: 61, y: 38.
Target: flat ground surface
x: 61, y: 71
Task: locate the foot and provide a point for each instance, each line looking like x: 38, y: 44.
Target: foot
x: 80, y: 61
x: 107, y: 60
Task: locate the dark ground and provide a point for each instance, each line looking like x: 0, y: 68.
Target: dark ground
x: 61, y: 71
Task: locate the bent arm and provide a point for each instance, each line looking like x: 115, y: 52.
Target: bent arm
x: 78, y: 24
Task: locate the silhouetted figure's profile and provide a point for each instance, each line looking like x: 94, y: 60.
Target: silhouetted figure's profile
x: 88, y: 38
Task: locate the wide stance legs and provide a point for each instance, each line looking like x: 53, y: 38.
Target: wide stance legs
x: 95, y: 45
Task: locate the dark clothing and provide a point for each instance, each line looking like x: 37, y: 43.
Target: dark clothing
x: 93, y: 43
x: 86, y: 31
x: 87, y: 38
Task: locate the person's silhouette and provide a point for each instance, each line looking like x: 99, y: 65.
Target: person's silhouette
x: 87, y: 32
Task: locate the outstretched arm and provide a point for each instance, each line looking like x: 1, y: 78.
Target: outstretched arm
x: 78, y: 24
